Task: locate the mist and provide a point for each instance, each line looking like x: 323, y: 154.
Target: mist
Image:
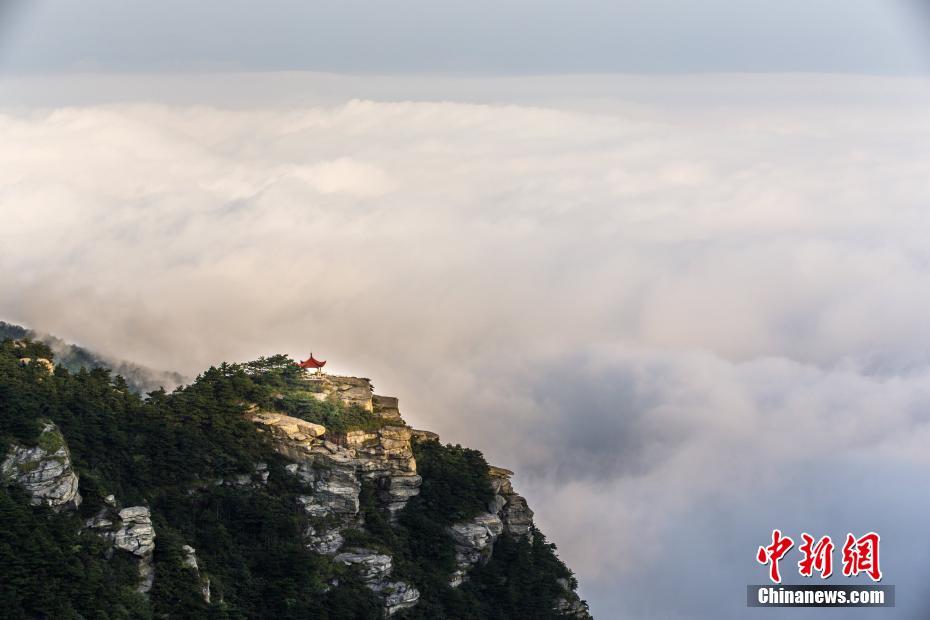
x: 682, y: 320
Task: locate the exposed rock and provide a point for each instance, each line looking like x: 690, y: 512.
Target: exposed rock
x: 500, y: 480
x: 44, y: 471
x: 388, y: 460
x: 511, y: 507
x: 421, y: 435
x: 324, y: 540
x: 336, y: 489
x: 398, y: 595
x: 350, y: 390
x: 372, y: 567
x: 395, y: 491
x: 474, y: 540
x: 517, y: 516
x: 190, y: 560
x: 496, y: 504
x: 386, y: 452
x: 41, y: 361
x: 569, y: 604
x: 137, y: 536
x: 375, y: 569
x: 385, y: 407
x: 130, y: 530
x: 286, y: 427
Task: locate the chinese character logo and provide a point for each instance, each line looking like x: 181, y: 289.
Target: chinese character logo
x: 817, y: 557
x: 772, y: 554
x: 860, y: 555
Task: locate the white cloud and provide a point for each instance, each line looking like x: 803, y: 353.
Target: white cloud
x: 664, y: 316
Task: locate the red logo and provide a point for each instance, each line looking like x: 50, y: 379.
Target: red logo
x: 860, y: 555
x: 772, y: 554
x: 817, y: 557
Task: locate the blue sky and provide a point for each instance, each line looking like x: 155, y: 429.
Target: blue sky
x: 476, y: 36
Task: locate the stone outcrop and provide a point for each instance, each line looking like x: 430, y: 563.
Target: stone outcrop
x: 129, y: 530
x: 474, y: 541
x: 335, y: 471
x: 285, y: 427
x: 350, y: 390
x: 44, y: 470
x: 385, y: 456
x: 421, y: 435
x: 570, y: 604
x: 190, y: 561
x: 334, y: 468
x: 375, y: 570
x: 42, y: 362
x: 386, y: 407
x: 512, y: 508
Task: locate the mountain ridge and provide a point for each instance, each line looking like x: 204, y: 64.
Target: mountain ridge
x: 258, y: 490
x: 141, y: 379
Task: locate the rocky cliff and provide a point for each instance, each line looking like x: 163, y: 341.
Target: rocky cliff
x: 44, y: 470
x: 322, y: 454
x: 335, y: 468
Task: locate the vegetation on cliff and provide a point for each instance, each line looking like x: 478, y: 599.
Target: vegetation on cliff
x: 214, y: 483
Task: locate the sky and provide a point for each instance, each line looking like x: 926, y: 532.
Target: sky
x: 682, y: 295
x: 473, y: 36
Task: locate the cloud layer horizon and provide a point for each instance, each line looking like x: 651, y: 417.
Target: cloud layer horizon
x: 683, y: 321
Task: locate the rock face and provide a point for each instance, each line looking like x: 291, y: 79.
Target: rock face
x: 375, y: 569
x: 44, y: 471
x: 137, y: 536
x: 385, y: 407
x: 570, y: 604
x: 474, y: 540
x: 285, y: 427
x: 130, y: 530
x: 515, y: 515
x: 335, y: 468
x: 386, y: 457
x: 350, y: 390
x: 335, y: 471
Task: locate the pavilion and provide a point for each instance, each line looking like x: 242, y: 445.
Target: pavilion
x: 313, y: 363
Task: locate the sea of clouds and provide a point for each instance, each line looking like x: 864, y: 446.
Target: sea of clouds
x: 684, y: 310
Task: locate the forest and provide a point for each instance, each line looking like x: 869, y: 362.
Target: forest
x: 164, y: 450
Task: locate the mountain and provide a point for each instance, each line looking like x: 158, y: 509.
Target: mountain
x: 260, y: 490
x: 139, y: 378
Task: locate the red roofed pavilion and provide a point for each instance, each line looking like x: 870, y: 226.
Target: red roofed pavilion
x: 312, y: 362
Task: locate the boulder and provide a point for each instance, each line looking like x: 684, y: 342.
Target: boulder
x: 44, y: 470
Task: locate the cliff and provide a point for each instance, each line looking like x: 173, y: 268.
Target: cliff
x: 282, y: 481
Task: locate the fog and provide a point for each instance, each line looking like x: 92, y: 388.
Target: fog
x: 683, y: 320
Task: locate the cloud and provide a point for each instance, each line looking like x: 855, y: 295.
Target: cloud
x: 683, y: 320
